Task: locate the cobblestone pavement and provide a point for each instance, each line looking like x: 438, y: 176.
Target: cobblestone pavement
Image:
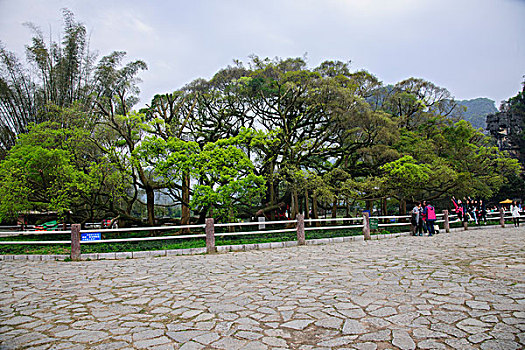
x: 460, y: 290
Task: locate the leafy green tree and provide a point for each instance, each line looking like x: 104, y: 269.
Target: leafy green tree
x: 118, y: 137
x: 49, y: 170
x: 228, y: 185
x: 457, y: 160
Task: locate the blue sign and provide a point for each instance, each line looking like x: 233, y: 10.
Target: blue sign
x: 96, y: 236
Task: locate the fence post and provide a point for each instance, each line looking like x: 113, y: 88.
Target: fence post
x: 210, y: 236
x: 446, y: 224
x: 501, y: 217
x: 301, y: 239
x: 75, y: 242
x: 366, y: 225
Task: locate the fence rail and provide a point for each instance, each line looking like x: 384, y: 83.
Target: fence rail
x: 208, y: 230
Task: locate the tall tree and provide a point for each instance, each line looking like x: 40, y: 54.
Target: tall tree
x: 57, y: 73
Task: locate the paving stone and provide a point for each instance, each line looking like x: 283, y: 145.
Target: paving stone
x: 149, y: 343
x: 148, y: 334
x: 449, y: 329
x: 353, y: 313
x: 331, y: 322
x: 184, y: 336
x: 462, y: 344
x: 207, y: 338
x: 229, y: 343
x: 384, y: 312
x: 254, y: 345
x: 383, y: 335
x: 163, y: 347
x: 274, y: 342
x: 192, y: 346
x: 403, y: 319
x: 402, y: 340
x: 424, y: 333
x: 499, y: 345
x: 430, y: 344
x: 353, y: 327
x: 248, y: 335
x: 89, y: 337
x: 339, y: 341
x: 17, y: 320
x: 297, y: 324
x: 473, y: 326
x: 365, y: 346
x: 478, y: 305
x: 479, y: 337
x: 111, y: 346
x: 489, y: 319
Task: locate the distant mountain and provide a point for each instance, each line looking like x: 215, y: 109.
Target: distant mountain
x: 477, y: 110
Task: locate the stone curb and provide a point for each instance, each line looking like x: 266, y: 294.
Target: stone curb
x: 220, y: 249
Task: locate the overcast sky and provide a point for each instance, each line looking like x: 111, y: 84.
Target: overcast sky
x: 474, y: 48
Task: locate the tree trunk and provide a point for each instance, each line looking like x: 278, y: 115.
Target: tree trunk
x: 185, y: 205
x: 369, y: 205
x: 295, y: 209
x: 306, y: 205
x: 271, y: 190
x: 334, y: 209
x: 314, y: 208
x: 402, y: 206
x: 383, y: 207
x: 150, y: 205
x: 202, y: 215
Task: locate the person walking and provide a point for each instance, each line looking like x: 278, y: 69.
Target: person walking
x: 430, y: 214
x: 515, y: 210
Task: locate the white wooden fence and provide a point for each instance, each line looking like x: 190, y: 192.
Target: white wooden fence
x: 209, y: 233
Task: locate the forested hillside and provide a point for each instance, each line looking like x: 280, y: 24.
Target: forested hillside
x: 476, y: 111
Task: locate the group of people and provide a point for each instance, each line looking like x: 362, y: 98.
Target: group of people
x: 470, y: 210
x: 424, y: 214
x: 476, y: 210
x: 423, y: 218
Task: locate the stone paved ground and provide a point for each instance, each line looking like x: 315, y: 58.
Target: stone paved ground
x: 461, y: 290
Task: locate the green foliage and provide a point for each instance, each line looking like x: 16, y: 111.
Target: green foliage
x: 246, y: 141
x: 39, y: 172
x: 228, y: 180
x: 57, y: 169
